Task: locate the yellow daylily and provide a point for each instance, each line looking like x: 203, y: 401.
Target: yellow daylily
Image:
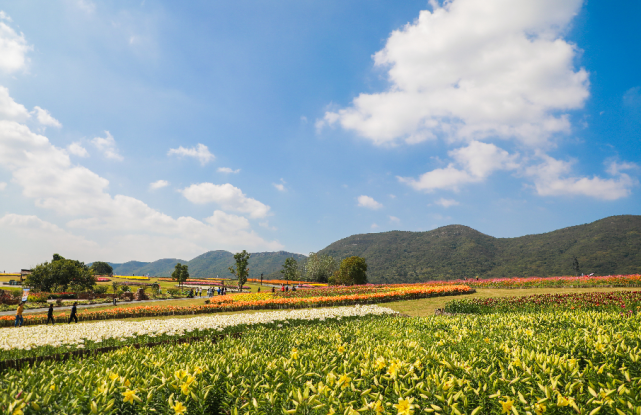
x: 343, y: 381
x: 404, y: 406
x: 129, y: 395
x: 539, y: 408
x: 380, y: 363
x: 179, y: 408
x: 507, y: 406
x: 294, y: 353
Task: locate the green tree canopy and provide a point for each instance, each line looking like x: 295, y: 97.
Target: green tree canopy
x: 241, y: 270
x: 352, y: 271
x: 61, y: 274
x: 290, y: 270
x: 101, y: 268
x: 180, y: 274
x: 319, y: 268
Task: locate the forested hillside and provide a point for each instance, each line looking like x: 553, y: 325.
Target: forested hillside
x: 607, y: 246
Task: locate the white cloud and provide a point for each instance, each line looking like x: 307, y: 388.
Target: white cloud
x: 476, y: 161
x: 552, y: 178
x: 108, y: 146
x: 13, y: 47
x: 227, y: 196
x: 394, y: 219
x: 228, y: 170
x: 374, y: 226
x: 392, y: 196
x: 368, y: 202
x: 280, y: 186
x: 200, y: 152
x: 9, y: 109
x: 77, y: 150
x: 474, y: 69
x: 446, y: 202
x: 44, y: 117
x: 3, y: 186
x: 87, y: 6
x: 227, y: 223
x: 158, y: 184
x: 266, y: 225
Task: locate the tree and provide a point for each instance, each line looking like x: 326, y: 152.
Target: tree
x: 180, y: 274
x: 101, y: 268
x: 576, y: 267
x: 319, y: 268
x: 290, y: 270
x: 352, y: 271
x: 60, y: 274
x: 241, y: 270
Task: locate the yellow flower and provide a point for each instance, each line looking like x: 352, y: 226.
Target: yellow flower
x: 197, y: 370
x: 404, y: 406
x: 447, y: 385
x: 113, y: 376
x: 294, y: 353
x: 179, y: 408
x: 331, y: 411
x: 562, y: 401
x: 507, y: 406
x: 125, y: 381
x: 393, y: 370
x: 539, y: 408
x: 331, y: 378
x: 343, y: 382
x: 129, y: 396
x: 190, y: 380
x: 529, y: 332
x: 376, y: 406
x: 180, y: 373
x: 380, y: 363
x: 487, y: 340
x: 53, y: 387
x: 341, y: 349
x: 184, y: 388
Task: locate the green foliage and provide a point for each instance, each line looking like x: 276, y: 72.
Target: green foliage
x: 319, y: 268
x: 352, y: 271
x: 180, y: 274
x: 101, y: 268
x: 290, y: 270
x: 241, y: 270
x: 609, y: 246
x: 60, y: 274
x: 100, y: 289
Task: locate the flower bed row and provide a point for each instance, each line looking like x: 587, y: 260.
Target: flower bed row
x: 131, y: 277
x: 240, y: 302
x: 626, y: 302
x: 632, y: 280
x: 557, y: 363
x: 290, y: 282
x: 49, y: 340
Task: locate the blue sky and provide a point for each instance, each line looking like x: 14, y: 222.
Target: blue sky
x: 138, y: 131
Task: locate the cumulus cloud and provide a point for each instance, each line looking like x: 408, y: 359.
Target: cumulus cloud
x: 474, y: 69
x: 200, y: 153
x: 368, y: 202
x: 374, y: 226
x: 280, y: 186
x: 158, y: 184
x: 3, y: 186
x: 44, y: 117
x: 227, y: 196
x: 9, y: 109
x: 228, y: 170
x: 13, y: 47
x: 446, y: 202
x: 77, y: 150
x: 394, y: 219
x: 108, y: 146
x: 473, y: 163
x: 553, y: 177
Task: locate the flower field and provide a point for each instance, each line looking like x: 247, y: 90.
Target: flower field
x: 622, y: 302
x: 255, y: 301
x: 51, y: 340
x: 633, y: 280
x: 565, y: 362
x: 130, y: 277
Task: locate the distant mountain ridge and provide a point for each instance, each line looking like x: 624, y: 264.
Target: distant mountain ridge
x: 608, y: 246
x: 209, y: 265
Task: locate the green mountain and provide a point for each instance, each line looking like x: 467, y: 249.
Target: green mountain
x: 210, y: 265
x: 607, y: 246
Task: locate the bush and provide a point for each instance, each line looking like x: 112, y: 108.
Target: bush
x: 100, y: 289
x: 174, y: 292
x: 352, y: 271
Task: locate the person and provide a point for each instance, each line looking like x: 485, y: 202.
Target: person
x: 50, y: 315
x: 73, y: 313
x: 114, y: 300
x: 287, y: 288
x: 273, y: 290
x: 19, y: 318
x: 218, y: 290
x: 293, y: 287
x: 282, y: 288
x: 258, y: 289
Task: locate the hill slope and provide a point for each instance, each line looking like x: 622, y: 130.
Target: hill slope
x: 607, y: 246
x: 210, y: 264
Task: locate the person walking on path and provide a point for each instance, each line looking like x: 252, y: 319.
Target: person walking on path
x: 19, y: 318
x: 73, y: 313
x: 50, y: 315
